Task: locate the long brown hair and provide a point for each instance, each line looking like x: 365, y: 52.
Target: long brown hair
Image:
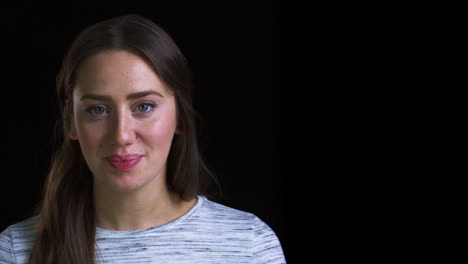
x: 66, y: 220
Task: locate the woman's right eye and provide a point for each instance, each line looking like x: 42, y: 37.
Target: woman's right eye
x: 96, y: 110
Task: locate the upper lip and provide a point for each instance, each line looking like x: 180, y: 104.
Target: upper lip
x: 123, y: 157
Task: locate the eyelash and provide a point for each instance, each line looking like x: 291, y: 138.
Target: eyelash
x: 92, y: 108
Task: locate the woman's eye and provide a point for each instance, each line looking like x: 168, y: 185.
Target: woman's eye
x: 145, y: 107
x: 96, y: 110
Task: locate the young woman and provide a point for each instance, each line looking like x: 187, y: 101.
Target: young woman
x: 127, y: 184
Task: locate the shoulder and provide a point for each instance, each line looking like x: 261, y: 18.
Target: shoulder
x: 266, y: 246
x: 216, y: 215
x: 24, y: 227
x: 16, y: 240
x: 209, y: 216
x: 220, y: 211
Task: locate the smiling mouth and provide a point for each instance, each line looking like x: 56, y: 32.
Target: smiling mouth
x: 124, y: 163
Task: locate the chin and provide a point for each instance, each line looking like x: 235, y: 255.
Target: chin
x: 120, y: 182
x: 128, y: 184
x: 125, y: 187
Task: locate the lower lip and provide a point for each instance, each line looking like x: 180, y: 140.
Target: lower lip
x: 124, y: 165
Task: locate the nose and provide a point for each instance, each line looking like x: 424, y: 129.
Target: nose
x: 122, y: 130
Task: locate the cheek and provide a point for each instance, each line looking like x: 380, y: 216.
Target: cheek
x: 160, y: 130
x: 89, y: 136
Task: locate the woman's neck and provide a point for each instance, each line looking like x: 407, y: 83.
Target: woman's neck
x: 138, y: 209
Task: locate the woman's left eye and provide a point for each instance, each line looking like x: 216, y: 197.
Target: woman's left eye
x: 145, y: 107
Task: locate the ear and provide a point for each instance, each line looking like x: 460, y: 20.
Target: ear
x: 72, y: 132
x: 179, y: 130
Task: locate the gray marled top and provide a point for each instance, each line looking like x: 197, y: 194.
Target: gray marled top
x: 208, y: 233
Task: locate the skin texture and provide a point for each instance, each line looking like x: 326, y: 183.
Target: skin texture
x: 145, y: 125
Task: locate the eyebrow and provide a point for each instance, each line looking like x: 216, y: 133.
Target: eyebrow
x: 129, y: 97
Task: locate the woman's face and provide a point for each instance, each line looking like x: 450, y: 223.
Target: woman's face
x: 124, y: 119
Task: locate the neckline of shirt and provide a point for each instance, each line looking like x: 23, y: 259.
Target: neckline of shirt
x: 198, y: 204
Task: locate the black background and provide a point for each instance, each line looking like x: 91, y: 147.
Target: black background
x: 235, y: 51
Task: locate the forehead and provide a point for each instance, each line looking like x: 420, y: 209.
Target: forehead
x: 117, y: 71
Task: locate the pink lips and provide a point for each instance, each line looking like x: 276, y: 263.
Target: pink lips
x: 124, y: 162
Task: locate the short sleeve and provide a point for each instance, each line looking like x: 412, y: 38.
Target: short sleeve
x: 6, y: 248
x: 267, y: 248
